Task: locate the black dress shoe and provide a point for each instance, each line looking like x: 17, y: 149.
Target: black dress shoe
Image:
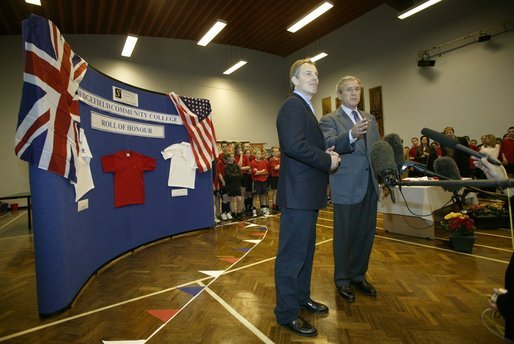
x: 315, y: 307
x: 346, y: 293
x: 301, y: 327
x: 366, y: 288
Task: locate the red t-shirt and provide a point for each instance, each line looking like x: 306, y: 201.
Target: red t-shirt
x: 274, y: 162
x: 507, y: 148
x: 246, y: 162
x: 128, y: 168
x: 257, y: 166
x: 220, y: 169
x: 412, y: 152
x: 476, y: 149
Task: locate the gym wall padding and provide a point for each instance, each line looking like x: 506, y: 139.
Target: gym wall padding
x: 70, y: 245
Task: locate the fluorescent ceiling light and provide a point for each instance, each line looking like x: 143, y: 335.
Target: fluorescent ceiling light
x: 418, y: 8
x: 310, y: 17
x: 130, y: 43
x: 213, y: 31
x: 235, y: 67
x: 33, y: 2
x: 318, y: 57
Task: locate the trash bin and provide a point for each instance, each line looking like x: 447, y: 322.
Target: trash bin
x: 14, y: 206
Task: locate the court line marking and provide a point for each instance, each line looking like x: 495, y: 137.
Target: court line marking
x: 238, y: 316
x: 16, y: 237
x: 432, y: 247
x: 227, y: 271
x: 16, y: 218
x: 208, y: 284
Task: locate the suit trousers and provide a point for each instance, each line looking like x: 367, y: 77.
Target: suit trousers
x: 293, y: 264
x: 354, y: 231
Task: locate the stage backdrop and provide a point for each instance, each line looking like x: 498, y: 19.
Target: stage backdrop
x: 78, y: 231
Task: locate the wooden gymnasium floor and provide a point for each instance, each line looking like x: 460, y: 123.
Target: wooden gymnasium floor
x: 427, y: 293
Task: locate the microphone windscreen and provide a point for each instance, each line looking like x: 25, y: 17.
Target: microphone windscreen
x: 395, y: 142
x: 447, y: 167
x: 438, y: 137
x: 382, y: 159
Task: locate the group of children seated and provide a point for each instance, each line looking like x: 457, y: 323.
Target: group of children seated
x: 242, y: 178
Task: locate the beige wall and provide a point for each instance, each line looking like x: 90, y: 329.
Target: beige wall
x: 469, y: 88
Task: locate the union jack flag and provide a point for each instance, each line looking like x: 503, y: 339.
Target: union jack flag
x: 195, y: 113
x: 48, y: 121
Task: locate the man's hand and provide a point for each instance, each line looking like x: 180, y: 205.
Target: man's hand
x: 492, y: 300
x: 334, y: 156
x: 360, y: 128
x: 490, y: 170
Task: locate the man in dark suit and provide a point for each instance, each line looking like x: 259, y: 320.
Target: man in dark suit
x: 460, y: 158
x: 301, y: 192
x: 353, y: 188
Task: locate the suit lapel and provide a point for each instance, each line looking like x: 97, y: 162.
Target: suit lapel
x: 348, y: 125
x: 309, y: 110
x: 343, y: 118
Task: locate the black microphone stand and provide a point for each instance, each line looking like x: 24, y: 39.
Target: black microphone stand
x: 423, y: 169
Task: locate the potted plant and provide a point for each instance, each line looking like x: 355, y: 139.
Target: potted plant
x: 488, y: 215
x: 462, y: 231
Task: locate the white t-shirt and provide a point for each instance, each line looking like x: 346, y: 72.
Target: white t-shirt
x: 182, y: 165
x: 84, y: 176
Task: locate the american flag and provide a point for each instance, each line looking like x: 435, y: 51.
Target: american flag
x: 48, y: 121
x: 195, y: 114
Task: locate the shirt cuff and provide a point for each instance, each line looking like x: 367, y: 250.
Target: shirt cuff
x: 352, y: 140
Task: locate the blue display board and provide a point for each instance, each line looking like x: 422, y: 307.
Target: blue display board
x: 70, y: 245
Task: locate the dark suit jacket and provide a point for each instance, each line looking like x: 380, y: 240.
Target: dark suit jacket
x: 304, y: 164
x: 349, y: 183
x: 505, y: 302
x: 461, y: 158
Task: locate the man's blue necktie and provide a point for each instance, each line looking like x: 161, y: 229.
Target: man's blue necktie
x: 355, y: 116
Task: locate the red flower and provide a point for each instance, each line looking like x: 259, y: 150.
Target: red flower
x: 459, y: 224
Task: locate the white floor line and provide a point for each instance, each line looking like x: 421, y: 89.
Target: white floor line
x: 81, y: 315
x: 239, y: 317
x: 484, y: 246
x: 16, y: 237
x: 494, y: 248
x: 77, y: 316
x: 493, y: 235
x: 227, y: 271
x: 211, y: 282
x: 16, y: 218
x: 442, y: 249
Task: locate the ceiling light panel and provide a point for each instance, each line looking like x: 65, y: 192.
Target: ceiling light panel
x: 310, y: 16
x: 213, y: 32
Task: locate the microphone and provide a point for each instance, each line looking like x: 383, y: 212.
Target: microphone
x: 396, y: 143
x: 417, y: 166
x: 382, y: 162
x: 449, y: 142
x: 447, y: 167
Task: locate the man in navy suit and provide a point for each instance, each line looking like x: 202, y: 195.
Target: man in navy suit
x: 353, y: 188
x: 301, y: 192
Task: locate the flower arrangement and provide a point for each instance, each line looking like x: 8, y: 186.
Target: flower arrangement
x: 486, y: 209
x: 458, y: 224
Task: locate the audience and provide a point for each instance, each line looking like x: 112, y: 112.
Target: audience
x: 426, y: 154
x: 507, y: 152
x: 422, y: 151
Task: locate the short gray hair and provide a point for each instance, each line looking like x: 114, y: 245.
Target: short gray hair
x: 345, y: 79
